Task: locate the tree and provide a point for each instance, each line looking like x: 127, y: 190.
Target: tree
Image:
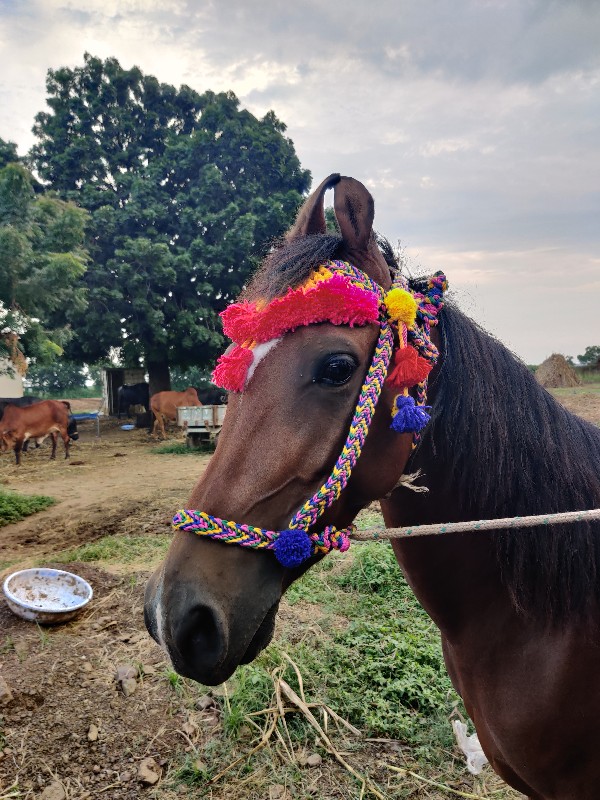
x: 59, y: 377
x: 194, y: 376
x: 591, y: 357
x: 8, y: 153
x: 42, y: 262
x: 184, y: 190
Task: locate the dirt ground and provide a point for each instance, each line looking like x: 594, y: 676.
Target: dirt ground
x: 63, y: 679
x: 83, y: 706
x: 581, y: 401
x: 110, y: 484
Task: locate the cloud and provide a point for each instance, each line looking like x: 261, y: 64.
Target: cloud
x: 475, y: 126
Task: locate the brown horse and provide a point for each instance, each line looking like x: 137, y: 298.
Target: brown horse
x: 518, y: 612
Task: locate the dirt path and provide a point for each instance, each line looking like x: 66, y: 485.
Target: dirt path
x: 111, y: 483
x: 92, y: 737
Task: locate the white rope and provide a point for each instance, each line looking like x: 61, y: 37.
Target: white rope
x: 408, y: 482
x: 477, y: 525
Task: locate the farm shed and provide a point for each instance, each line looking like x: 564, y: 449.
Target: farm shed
x: 112, y: 378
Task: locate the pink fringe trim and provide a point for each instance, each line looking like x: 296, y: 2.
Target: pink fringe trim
x: 232, y: 368
x: 335, y: 300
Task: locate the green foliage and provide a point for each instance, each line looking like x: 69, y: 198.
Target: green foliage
x: 590, y: 380
x: 58, y: 378
x: 590, y: 357
x: 42, y: 262
x: 184, y: 190
x: 331, y: 221
x: 8, y: 153
x: 193, y: 376
x: 14, y: 507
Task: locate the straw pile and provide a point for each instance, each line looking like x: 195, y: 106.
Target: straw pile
x: 556, y: 372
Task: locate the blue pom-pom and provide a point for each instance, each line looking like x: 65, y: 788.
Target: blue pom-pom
x: 293, y: 547
x: 409, y: 418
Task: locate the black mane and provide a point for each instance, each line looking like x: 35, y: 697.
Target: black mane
x: 508, y: 448
x: 290, y: 264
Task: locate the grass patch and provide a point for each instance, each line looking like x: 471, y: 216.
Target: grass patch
x: 120, y: 549
x: 590, y: 378
x: 369, y: 518
x: 181, y: 449
x: 586, y: 388
x: 397, y: 686
x: 14, y: 507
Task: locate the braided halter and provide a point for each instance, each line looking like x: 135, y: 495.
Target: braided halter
x: 340, y: 293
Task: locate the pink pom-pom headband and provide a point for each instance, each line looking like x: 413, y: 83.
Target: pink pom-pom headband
x: 336, y: 292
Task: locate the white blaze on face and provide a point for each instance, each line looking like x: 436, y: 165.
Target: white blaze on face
x: 258, y: 353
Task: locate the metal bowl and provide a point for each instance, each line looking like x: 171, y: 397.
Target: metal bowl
x: 46, y: 595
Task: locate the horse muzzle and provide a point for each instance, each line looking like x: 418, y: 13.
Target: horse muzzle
x: 201, y: 641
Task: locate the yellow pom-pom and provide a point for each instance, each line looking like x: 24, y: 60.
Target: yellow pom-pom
x: 401, y: 306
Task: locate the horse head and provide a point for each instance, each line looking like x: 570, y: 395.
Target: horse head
x: 295, y: 376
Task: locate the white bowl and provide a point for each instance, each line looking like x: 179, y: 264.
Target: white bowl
x: 46, y: 595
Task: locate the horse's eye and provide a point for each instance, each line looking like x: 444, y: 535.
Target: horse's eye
x: 336, y: 370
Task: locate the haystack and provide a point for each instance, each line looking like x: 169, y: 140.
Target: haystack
x: 556, y: 372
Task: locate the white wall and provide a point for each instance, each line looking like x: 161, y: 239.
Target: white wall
x: 10, y: 386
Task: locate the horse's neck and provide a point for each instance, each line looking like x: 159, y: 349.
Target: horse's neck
x: 455, y: 577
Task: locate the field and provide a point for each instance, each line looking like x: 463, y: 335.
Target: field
x: 96, y: 712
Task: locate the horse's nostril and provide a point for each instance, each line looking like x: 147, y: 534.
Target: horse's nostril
x: 200, y: 641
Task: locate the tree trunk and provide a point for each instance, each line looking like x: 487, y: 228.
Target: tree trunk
x: 158, y: 375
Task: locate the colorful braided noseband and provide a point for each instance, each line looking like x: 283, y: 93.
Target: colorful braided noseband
x: 340, y: 294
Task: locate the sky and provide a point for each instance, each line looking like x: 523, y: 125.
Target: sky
x: 475, y: 124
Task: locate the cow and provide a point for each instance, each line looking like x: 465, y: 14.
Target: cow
x: 164, y: 405
x: 132, y: 394
x: 29, y: 400
x: 211, y: 395
x: 46, y: 418
x: 71, y: 430
x: 17, y: 401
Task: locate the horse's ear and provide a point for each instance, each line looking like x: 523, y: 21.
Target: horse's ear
x: 311, y: 217
x: 354, y: 210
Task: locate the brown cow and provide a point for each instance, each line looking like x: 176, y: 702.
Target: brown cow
x: 47, y: 418
x: 164, y: 405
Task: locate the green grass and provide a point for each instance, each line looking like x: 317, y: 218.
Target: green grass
x: 81, y: 393
x: 364, y: 647
x: 14, y: 507
x: 119, y: 550
x: 589, y: 386
x: 371, y: 653
x: 181, y: 449
x: 396, y: 686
